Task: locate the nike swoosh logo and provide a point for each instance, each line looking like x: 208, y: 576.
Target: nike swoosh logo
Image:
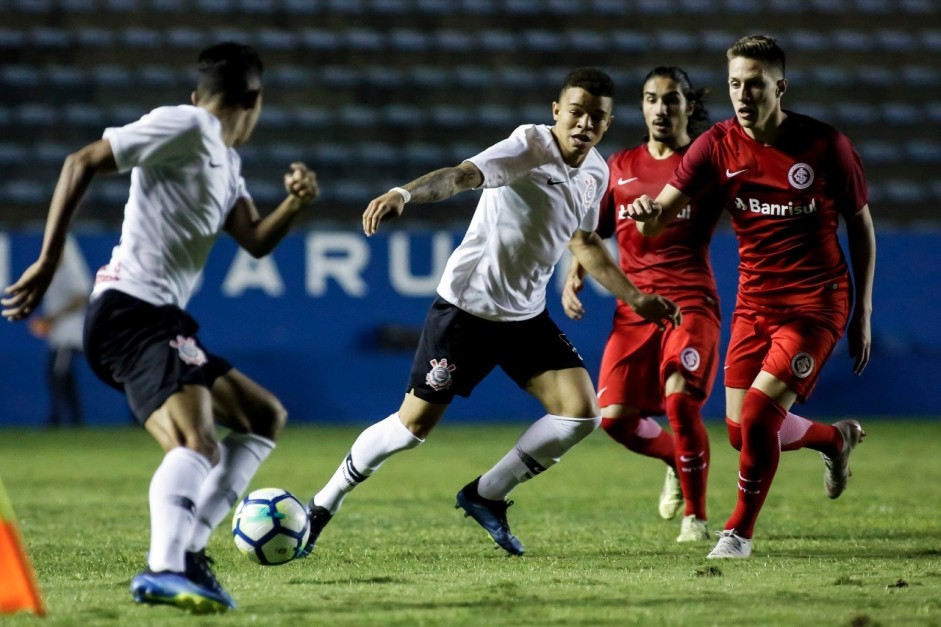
x: 626, y: 181
x: 601, y: 391
x: 684, y: 458
x: 552, y: 182
x: 215, y: 165
x: 729, y: 175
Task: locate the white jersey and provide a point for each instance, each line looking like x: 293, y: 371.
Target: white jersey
x: 531, y: 206
x: 184, y: 183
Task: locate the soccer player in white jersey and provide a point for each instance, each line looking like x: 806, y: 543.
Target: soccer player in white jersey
x: 186, y: 187
x: 542, y: 189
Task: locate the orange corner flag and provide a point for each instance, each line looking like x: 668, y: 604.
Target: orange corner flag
x: 18, y: 588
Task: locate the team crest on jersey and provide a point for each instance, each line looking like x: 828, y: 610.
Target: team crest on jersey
x: 800, y: 176
x: 802, y: 364
x: 690, y: 359
x: 590, y: 189
x: 189, y: 350
x: 439, y: 377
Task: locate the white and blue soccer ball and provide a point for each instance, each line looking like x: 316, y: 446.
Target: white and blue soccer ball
x: 270, y: 526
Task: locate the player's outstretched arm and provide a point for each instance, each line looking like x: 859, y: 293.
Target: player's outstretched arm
x: 591, y: 252
x: 259, y: 236
x: 862, y: 244
x: 436, y: 185
x: 78, y: 170
x: 653, y: 215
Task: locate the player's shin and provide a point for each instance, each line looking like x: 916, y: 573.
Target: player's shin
x: 240, y: 456
x: 758, y: 462
x: 173, y: 492
x: 798, y: 432
x: 373, y: 447
x: 540, y: 447
x: 692, y: 450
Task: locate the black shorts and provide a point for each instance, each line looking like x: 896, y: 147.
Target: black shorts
x: 457, y: 350
x: 146, y: 351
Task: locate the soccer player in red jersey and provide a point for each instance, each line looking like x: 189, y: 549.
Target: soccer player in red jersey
x: 646, y: 371
x: 786, y: 179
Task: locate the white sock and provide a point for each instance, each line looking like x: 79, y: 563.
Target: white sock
x: 373, y: 446
x: 240, y: 455
x: 173, y: 491
x: 540, y: 447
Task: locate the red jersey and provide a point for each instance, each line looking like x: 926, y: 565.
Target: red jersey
x: 675, y: 263
x: 784, y: 200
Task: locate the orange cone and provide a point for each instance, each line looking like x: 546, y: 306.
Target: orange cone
x: 18, y: 588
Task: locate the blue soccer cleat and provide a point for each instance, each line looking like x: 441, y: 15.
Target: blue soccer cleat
x: 491, y: 515
x: 170, y: 588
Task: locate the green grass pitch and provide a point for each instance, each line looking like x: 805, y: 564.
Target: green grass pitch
x: 597, y: 552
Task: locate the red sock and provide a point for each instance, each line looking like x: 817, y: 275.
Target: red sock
x: 692, y: 451
x: 758, y: 461
x: 798, y: 432
x: 630, y: 431
x: 735, y: 433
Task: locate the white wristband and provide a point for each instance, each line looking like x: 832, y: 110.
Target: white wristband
x: 406, y: 196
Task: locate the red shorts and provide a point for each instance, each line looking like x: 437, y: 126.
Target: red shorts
x: 639, y: 358
x: 791, y: 348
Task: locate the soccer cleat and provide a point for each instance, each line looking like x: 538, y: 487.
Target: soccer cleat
x: 491, y: 515
x: 693, y: 530
x: 730, y: 546
x: 319, y: 517
x: 170, y: 588
x: 671, y: 496
x: 199, y: 571
x: 837, y: 469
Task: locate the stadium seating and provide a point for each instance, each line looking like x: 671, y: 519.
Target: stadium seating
x: 375, y: 92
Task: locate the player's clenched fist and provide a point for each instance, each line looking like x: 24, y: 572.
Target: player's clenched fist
x: 301, y: 183
x: 658, y: 310
x: 644, y: 209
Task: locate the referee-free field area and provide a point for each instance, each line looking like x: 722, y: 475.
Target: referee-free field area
x: 597, y: 551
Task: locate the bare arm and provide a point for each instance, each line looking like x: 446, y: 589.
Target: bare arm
x: 652, y: 216
x: 78, y: 170
x: 590, y: 251
x: 258, y: 235
x: 574, y: 282
x: 862, y: 244
x: 436, y: 185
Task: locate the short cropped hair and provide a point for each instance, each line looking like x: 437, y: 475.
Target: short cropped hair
x: 759, y: 48
x: 592, y: 80
x: 230, y: 71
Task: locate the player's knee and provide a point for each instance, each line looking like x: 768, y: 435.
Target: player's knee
x: 205, y: 444
x: 584, y: 407
x: 735, y: 434
x: 272, y: 421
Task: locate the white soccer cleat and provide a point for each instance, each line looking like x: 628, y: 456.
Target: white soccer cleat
x: 837, y: 472
x: 730, y: 546
x: 671, y: 496
x: 693, y: 530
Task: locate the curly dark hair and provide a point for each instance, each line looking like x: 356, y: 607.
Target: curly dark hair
x: 698, y: 120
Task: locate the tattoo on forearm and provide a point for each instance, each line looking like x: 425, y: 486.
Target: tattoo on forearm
x: 440, y: 184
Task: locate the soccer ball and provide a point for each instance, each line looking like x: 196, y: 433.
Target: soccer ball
x: 270, y: 526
